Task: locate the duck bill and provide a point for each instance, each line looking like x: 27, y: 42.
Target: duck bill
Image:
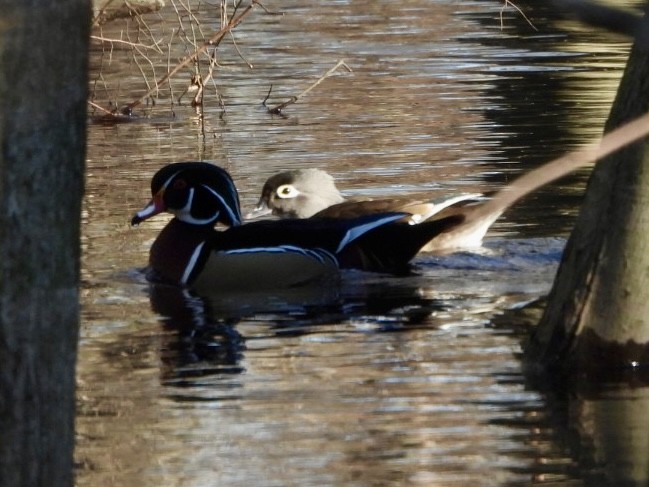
x: 155, y: 206
x: 260, y: 210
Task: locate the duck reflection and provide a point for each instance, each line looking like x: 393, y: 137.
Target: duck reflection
x: 194, y: 337
x: 205, y: 331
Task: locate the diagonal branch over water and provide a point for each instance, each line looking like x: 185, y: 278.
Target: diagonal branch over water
x: 612, y: 141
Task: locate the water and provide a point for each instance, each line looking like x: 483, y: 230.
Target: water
x: 383, y: 381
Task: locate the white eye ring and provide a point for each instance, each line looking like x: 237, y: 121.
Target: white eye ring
x: 286, y: 191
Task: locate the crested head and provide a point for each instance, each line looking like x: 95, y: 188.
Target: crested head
x: 300, y: 193
x: 198, y: 193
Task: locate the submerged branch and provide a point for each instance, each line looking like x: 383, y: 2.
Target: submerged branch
x: 277, y: 110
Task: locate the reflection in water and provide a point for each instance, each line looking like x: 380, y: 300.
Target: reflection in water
x: 613, y: 430
x: 195, y: 337
x: 379, y: 381
x: 205, y: 326
x: 205, y: 338
x: 604, y: 428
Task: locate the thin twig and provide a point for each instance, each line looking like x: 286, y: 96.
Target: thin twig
x: 137, y: 63
x: 100, y: 108
x: 277, y: 110
x: 236, y: 47
x: 192, y: 16
x: 141, y: 21
x: 508, y: 2
x: 128, y: 43
x: 270, y: 12
x: 171, y: 90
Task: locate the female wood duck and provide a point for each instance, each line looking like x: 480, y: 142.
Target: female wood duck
x: 189, y: 251
x: 306, y: 193
x: 312, y: 193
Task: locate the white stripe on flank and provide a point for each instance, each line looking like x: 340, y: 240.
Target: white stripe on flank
x: 192, y: 263
x: 355, y: 232
x: 318, y: 254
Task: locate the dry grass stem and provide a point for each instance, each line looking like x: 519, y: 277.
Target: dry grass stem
x: 100, y: 108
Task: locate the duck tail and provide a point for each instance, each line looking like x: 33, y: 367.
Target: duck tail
x: 390, y: 248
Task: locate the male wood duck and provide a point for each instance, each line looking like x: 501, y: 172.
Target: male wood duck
x: 190, y: 252
x: 312, y: 193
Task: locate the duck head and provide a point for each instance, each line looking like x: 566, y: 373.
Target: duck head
x: 297, y: 194
x: 197, y: 193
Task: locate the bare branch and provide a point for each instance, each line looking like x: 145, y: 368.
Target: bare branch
x: 610, y: 142
x: 236, y: 47
x: 214, y: 40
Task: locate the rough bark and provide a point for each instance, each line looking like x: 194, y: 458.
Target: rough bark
x: 43, y: 91
x: 598, y: 310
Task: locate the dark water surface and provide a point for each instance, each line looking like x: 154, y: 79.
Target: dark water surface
x: 381, y: 381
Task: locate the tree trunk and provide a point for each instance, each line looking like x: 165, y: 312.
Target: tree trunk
x: 597, y: 315
x: 43, y: 91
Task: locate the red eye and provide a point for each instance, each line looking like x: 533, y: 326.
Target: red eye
x: 180, y: 184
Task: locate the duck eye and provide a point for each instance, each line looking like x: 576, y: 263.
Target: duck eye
x: 287, y: 191
x: 180, y: 184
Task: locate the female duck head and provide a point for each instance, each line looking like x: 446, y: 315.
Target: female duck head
x: 300, y: 193
x: 198, y: 193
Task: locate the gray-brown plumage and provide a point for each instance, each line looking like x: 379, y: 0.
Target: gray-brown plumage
x: 306, y: 193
